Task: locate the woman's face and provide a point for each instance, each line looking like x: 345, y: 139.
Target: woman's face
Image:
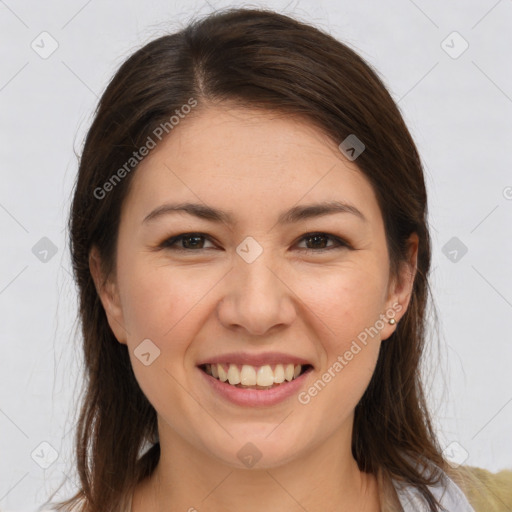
x: 254, y: 285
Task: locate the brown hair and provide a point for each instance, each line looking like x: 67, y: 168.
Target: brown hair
x: 265, y: 60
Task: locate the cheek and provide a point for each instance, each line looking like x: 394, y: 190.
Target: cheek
x: 345, y: 301
x: 346, y: 311
x: 161, y: 304
x: 157, y: 300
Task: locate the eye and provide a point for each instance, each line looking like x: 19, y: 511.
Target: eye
x: 318, y: 242
x: 188, y: 241
x: 195, y: 242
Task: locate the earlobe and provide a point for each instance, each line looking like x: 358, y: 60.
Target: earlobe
x: 109, y: 296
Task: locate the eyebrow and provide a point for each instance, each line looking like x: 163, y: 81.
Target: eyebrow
x: 295, y: 214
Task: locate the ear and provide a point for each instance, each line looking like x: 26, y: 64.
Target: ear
x: 400, y: 287
x: 109, y: 296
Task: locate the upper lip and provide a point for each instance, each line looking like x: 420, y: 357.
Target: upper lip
x: 260, y: 359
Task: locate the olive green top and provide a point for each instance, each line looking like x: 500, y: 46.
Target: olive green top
x: 466, y: 487
x: 486, y: 491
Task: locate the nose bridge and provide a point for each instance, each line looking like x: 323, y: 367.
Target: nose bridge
x: 257, y: 298
x: 255, y: 280
x: 257, y: 277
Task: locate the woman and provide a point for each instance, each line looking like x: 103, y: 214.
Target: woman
x: 250, y: 242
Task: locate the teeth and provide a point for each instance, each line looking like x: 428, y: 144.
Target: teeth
x: 247, y: 375
x: 223, y: 376
x: 279, y: 374
x: 265, y: 376
x: 288, y: 372
x: 250, y: 376
x: 233, y: 375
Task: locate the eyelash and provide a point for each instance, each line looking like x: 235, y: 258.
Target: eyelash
x: 170, y: 242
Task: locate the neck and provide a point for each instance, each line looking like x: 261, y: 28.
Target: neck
x: 325, y: 478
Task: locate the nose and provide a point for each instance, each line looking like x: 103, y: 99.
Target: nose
x: 257, y: 297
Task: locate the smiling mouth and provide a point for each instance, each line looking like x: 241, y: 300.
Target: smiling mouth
x: 255, y: 377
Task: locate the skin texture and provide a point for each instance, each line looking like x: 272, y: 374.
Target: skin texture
x: 209, y: 301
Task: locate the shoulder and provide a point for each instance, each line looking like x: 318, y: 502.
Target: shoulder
x: 486, y: 491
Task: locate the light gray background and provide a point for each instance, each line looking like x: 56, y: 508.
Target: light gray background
x: 459, y: 111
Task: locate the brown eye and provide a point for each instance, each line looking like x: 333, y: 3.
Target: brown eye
x: 317, y: 242
x: 192, y: 241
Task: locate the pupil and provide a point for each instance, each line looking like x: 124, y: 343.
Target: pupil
x: 316, y: 237
x: 190, y: 237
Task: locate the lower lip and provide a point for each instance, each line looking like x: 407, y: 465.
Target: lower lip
x: 256, y: 397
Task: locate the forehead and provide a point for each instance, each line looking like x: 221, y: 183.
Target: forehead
x: 248, y: 160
